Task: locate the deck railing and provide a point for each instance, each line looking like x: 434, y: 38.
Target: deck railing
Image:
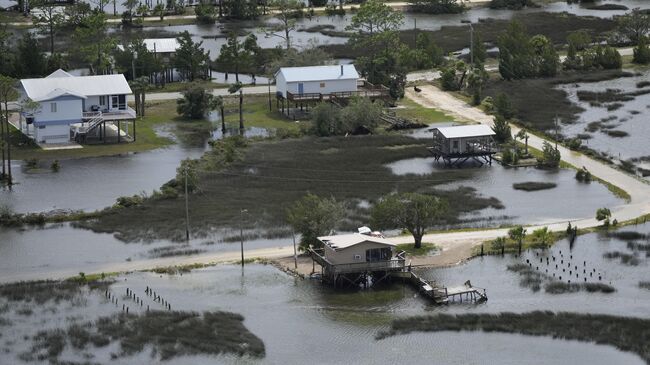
x: 398, y: 262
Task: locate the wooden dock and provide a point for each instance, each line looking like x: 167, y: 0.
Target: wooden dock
x: 441, y: 294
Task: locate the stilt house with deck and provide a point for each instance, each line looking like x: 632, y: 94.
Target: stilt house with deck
x: 77, y: 108
x: 302, y: 86
x: 458, y: 144
x: 352, y: 259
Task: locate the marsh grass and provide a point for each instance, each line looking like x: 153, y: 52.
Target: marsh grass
x: 535, y: 280
x: 40, y: 292
x: 625, y: 258
x: 538, y: 101
x: 644, y: 285
x: 534, y: 186
x: 170, y: 334
x: 627, y: 235
x: 271, y: 175
x: 625, y: 333
x: 170, y: 251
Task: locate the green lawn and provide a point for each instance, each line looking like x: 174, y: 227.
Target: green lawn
x: 257, y: 113
x: 414, y: 111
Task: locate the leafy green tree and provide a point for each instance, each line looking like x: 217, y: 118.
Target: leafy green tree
x: 140, y: 86
x: 437, y: 6
x: 503, y: 106
x: 476, y: 80
x: 501, y: 129
x: 478, y: 52
x: 499, y: 244
x: 326, y: 119
x: 30, y: 60
x: 603, y: 214
x: 642, y: 52
x: 610, y: 59
x: 286, y: 11
x: 375, y: 17
x: 191, y: 59
x: 94, y: 43
x: 49, y: 21
x: 361, y: 113
x: 580, y: 40
x: 312, y: 55
x: 522, y: 135
x: 517, y: 234
x: 550, y: 156
x: 411, y: 211
x: 143, y: 10
x: 75, y: 14
x: 312, y: 217
x: 205, y: 13
x: 241, y: 9
x: 545, y: 57
x: 6, y: 52
x: 160, y: 10
x: 634, y: 25
x: 195, y: 103
x: 217, y: 103
x: 236, y: 55
x: 542, y: 236
x: 135, y: 53
x: 131, y: 6
x: 237, y: 87
x: 514, y: 52
x: 8, y: 93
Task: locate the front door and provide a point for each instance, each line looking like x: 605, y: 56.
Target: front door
x: 301, y: 88
x: 115, y: 101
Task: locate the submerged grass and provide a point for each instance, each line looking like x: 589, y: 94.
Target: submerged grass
x: 625, y: 333
x: 273, y: 174
x: 534, y: 186
x: 170, y: 334
x: 533, y: 279
x: 625, y: 258
x: 40, y: 292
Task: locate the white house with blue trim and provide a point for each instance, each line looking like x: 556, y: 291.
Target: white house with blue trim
x: 323, y: 80
x: 71, y: 107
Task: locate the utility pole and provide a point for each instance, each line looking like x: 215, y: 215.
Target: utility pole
x: 556, y: 131
x: 241, y: 233
x: 270, y: 108
x: 415, y: 33
x: 471, y: 44
x: 295, y: 254
x: 187, y: 211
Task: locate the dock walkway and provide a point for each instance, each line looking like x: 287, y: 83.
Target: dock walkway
x: 441, y: 294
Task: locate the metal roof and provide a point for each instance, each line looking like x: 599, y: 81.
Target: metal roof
x: 58, y: 93
x: 59, y: 73
x: 161, y: 45
x: 466, y: 131
x: 319, y: 73
x: 6, y: 4
x: 38, y: 89
x: 343, y: 241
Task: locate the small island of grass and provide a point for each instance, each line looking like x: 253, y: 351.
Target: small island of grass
x: 533, y: 186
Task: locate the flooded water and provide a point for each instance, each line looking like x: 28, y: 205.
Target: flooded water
x: 546, y: 206
x: 630, y: 117
x: 300, y: 321
x: 93, y: 183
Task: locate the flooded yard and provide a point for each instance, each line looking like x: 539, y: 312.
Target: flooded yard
x: 288, y: 313
x: 615, y: 121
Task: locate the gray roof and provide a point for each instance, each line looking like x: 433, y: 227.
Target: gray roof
x: 56, y: 93
x: 343, y: 241
x: 161, y: 45
x: 6, y: 4
x: 319, y: 73
x: 61, y: 83
x: 466, y: 131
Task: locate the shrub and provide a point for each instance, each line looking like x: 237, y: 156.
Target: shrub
x: 55, y: 166
x: 583, y: 175
x: 603, y: 214
x: 550, y: 156
x: 129, y: 201
x: 205, y: 13
x: 502, y: 130
x: 503, y: 107
x: 642, y: 52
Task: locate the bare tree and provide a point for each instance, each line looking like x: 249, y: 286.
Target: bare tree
x: 286, y: 13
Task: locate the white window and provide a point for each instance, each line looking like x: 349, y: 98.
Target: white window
x: 102, y: 100
x: 322, y: 85
x: 53, y: 107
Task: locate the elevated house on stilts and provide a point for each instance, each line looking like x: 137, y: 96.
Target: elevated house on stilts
x: 352, y: 260
x: 302, y: 87
x: 458, y: 144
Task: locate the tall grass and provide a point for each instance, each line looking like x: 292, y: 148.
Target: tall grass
x: 170, y: 333
x: 625, y: 333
